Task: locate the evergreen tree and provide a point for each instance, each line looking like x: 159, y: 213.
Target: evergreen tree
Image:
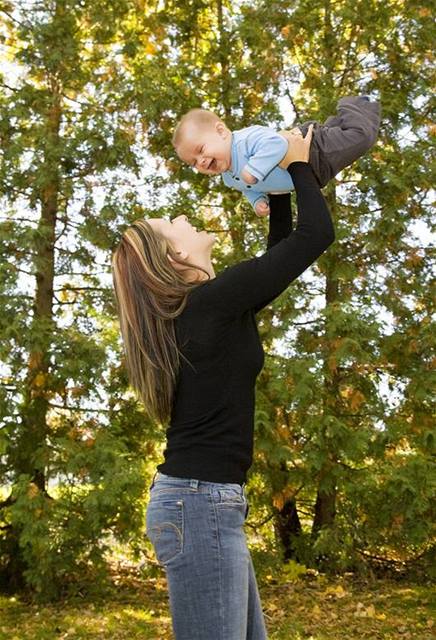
x: 67, y: 131
x: 91, y: 94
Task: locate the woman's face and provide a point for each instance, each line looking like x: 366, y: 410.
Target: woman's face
x: 193, y: 245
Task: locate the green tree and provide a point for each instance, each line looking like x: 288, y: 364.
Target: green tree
x: 337, y: 430
x: 343, y: 469
x: 69, y: 454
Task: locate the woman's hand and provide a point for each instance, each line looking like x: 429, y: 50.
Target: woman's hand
x: 298, y: 147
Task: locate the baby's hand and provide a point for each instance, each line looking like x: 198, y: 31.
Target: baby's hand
x: 247, y: 177
x: 261, y: 208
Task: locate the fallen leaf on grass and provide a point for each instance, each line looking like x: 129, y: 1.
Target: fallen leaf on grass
x: 365, y: 612
x: 338, y: 592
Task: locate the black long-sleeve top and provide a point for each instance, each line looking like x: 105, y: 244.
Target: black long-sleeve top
x: 210, y: 435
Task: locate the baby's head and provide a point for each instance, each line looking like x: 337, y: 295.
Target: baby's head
x: 202, y: 140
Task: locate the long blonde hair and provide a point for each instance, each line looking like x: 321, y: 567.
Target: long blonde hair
x: 150, y: 293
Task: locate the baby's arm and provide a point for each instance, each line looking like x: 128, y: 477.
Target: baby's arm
x: 266, y: 148
x: 247, y: 177
x: 262, y: 208
x: 258, y: 200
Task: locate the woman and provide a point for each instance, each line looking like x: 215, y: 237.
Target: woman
x: 170, y: 299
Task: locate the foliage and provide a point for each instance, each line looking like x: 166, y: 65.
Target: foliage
x: 344, y: 431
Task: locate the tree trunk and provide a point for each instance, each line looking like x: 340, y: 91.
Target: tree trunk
x: 35, y: 403
x: 325, y: 504
x: 28, y: 456
x: 223, y: 57
x: 287, y: 523
x: 325, y: 510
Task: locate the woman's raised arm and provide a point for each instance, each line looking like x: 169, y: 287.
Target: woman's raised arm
x: 253, y: 283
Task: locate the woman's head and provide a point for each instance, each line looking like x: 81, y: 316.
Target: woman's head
x: 153, y: 272
x: 190, y: 245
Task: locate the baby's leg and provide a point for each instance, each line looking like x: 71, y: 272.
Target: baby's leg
x: 343, y: 138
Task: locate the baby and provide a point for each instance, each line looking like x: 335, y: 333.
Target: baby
x: 249, y: 159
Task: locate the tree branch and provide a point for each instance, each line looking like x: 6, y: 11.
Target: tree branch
x: 80, y: 409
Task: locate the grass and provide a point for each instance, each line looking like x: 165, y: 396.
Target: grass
x: 313, y: 607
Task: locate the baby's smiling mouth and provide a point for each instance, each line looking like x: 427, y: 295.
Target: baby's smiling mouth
x: 212, y: 164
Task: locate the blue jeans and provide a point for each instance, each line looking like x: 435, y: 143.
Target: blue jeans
x: 197, y: 532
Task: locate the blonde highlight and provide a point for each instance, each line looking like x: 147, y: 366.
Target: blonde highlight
x: 150, y: 294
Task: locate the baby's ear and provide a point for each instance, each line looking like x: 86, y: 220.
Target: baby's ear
x: 221, y: 129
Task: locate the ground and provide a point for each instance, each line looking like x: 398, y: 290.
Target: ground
x: 312, y: 607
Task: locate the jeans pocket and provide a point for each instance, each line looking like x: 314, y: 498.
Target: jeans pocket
x: 164, y: 529
x: 230, y: 497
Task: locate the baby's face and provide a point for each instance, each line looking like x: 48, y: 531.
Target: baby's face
x: 206, y: 148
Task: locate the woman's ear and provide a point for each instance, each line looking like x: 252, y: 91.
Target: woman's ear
x: 180, y: 254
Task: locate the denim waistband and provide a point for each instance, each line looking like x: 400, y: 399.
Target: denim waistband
x: 192, y: 482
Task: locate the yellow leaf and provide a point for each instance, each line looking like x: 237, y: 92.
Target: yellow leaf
x: 354, y: 397
x: 65, y: 295
x: 338, y: 591
x: 77, y: 391
x: 332, y: 364
x: 39, y: 379
x: 414, y: 258
x: 32, y: 490
x: 278, y: 501
x: 360, y: 610
x: 149, y: 48
x: 345, y: 392
x: 398, y: 520
x: 356, y: 400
